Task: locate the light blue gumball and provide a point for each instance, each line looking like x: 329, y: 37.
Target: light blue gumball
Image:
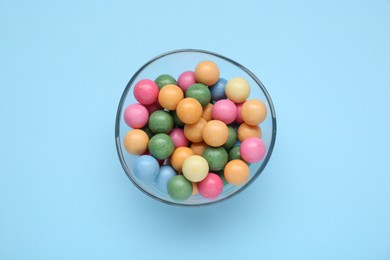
x: 146, y: 168
x: 166, y: 173
x: 218, y: 90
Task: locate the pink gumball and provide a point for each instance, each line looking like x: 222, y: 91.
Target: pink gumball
x: 211, y: 186
x: 186, y: 79
x: 252, y: 150
x: 239, y: 117
x: 146, y: 91
x: 136, y: 116
x: 224, y: 110
x: 154, y: 107
x: 178, y: 138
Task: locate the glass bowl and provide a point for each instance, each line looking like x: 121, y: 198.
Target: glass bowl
x: 174, y: 63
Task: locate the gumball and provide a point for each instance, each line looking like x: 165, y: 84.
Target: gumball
x: 211, y: 186
x: 147, y: 130
x: 160, y: 121
x: 165, y: 174
x: 161, y: 146
x: 220, y: 174
x: 253, y: 112
x: 236, y: 172
x: 224, y: 110
x: 198, y: 148
x: 164, y: 80
x: 170, y: 96
x: 146, y: 168
x: 179, y: 188
x: 136, y: 141
x: 176, y: 119
x: 207, y: 112
x: 218, y: 90
x: 207, y: 72
x: 216, y: 157
x: 215, y: 133
x: 146, y: 91
x: 193, y: 132
x: 252, y: 150
x: 237, y: 90
x: 136, y: 116
x: 239, y: 117
x: 186, y: 79
x: 245, y: 131
x: 194, y: 188
x: 154, y: 107
x: 195, y: 168
x: 200, y: 92
x: 234, y: 153
x: 189, y: 110
x: 232, y: 138
x: 178, y: 138
x: 178, y: 157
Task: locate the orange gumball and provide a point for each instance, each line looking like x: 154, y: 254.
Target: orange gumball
x: 253, y: 112
x: 245, y: 131
x: 236, y: 172
x: 136, y: 141
x: 189, y: 110
x: 198, y: 148
x: 194, y: 188
x: 170, y: 96
x: 178, y: 157
x: 193, y: 132
x: 207, y: 112
x: 207, y: 72
x: 215, y: 133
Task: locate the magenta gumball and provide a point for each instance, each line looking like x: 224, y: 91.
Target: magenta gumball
x: 146, y: 91
x: 186, y: 79
x: 153, y: 107
x: 178, y: 138
x: 224, y: 110
x: 210, y: 187
x: 239, y: 117
x: 252, y: 150
x: 136, y: 116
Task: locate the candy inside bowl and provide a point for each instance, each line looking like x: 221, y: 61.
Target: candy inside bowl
x: 194, y: 128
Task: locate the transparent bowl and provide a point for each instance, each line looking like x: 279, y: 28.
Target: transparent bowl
x: 174, y: 63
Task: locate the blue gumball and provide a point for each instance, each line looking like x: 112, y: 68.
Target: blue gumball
x: 146, y: 168
x: 166, y: 173
x: 218, y: 90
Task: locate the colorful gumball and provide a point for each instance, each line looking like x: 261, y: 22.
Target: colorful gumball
x: 186, y: 79
x: 136, y: 142
x: 224, y: 110
x: 207, y: 72
x: 239, y: 117
x: 234, y: 153
x: 154, y: 107
x: 194, y: 188
x: 146, y: 168
x: 198, y: 148
x: 216, y: 157
x: 165, y: 174
x: 170, y: 96
x: 178, y: 157
x: 161, y: 146
x: 206, y: 115
x: 211, y: 186
x: 215, y: 133
x: 232, y: 139
x: 237, y: 90
x: 146, y: 91
x: 218, y: 90
x: 164, y: 80
x: 189, y: 110
x: 193, y: 132
x: 179, y: 188
x: 245, y: 131
x: 160, y: 121
x: 253, y: 112
x: 236, y: 172
x: 200, y: 92
x: 195, y: 168
x: 136, y: 116
x: 252, y: 150
x: 178, y: 138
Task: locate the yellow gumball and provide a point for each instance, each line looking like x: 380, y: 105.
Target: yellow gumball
x: 237, y: 90
x: 195, y: 168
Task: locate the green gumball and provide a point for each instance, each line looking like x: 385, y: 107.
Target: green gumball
x: 216, y: 157
x: 179, y: 188
x: 161, y: 146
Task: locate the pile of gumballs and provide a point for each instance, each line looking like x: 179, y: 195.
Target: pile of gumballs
x: 195, y: 134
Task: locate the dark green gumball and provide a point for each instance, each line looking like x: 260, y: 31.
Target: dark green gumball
x: 234, y: 153
x: 232, y: 139
x: 160, y: 121
x: 200, y: 92
x: 179, y: 188
x: 216, y: 157
x: 176, y: 119
x: 164, y: 80
x: 220, y: 174
x: 147, y: 130
x: 161, y: 146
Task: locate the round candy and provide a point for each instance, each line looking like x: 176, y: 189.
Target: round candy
x: 239, y: 117
x: 176, y: 119
x: 161, y: 146
x: 146, y: 168
x: 154, y: 107
x: 193, y: 132
x: 178, y: 138
x: 195, y: 168
x: 232, y: 139
x: 245, y: 131
x: 216, y: 157
x: 234, y: 153
x: 186, y: 79
x: 178, y: 157
x: 198, y: 148
x: 179, y: 188
x: 194, y: 188
x: 220, y: 174
x: 136, y: 141
x: 189, y: 110
x: 164, y: 80
x: 207, y: 72
x: 136, y: 116
x: 166, y: 173
x: 215, y: 133
x: 236, y: 172
x: 207, y: 112
x: 237, y: 90
x: 160, y: 121
x: 252, y: 150
x: 211, y: 187
x: 218, y: 90
x: 146, y: 91
x: 253, y: 112
x: 170, y: 96
x: 200, y: 92
x: 224, y: 110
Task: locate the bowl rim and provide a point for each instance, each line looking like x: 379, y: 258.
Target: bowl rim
x: 118, y: 121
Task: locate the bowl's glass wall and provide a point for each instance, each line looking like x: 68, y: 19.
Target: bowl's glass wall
x: 174, y: 64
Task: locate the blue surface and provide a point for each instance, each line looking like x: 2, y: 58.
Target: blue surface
x: 324, y: 195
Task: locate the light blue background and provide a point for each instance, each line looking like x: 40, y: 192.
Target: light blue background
x: 324, y: 195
